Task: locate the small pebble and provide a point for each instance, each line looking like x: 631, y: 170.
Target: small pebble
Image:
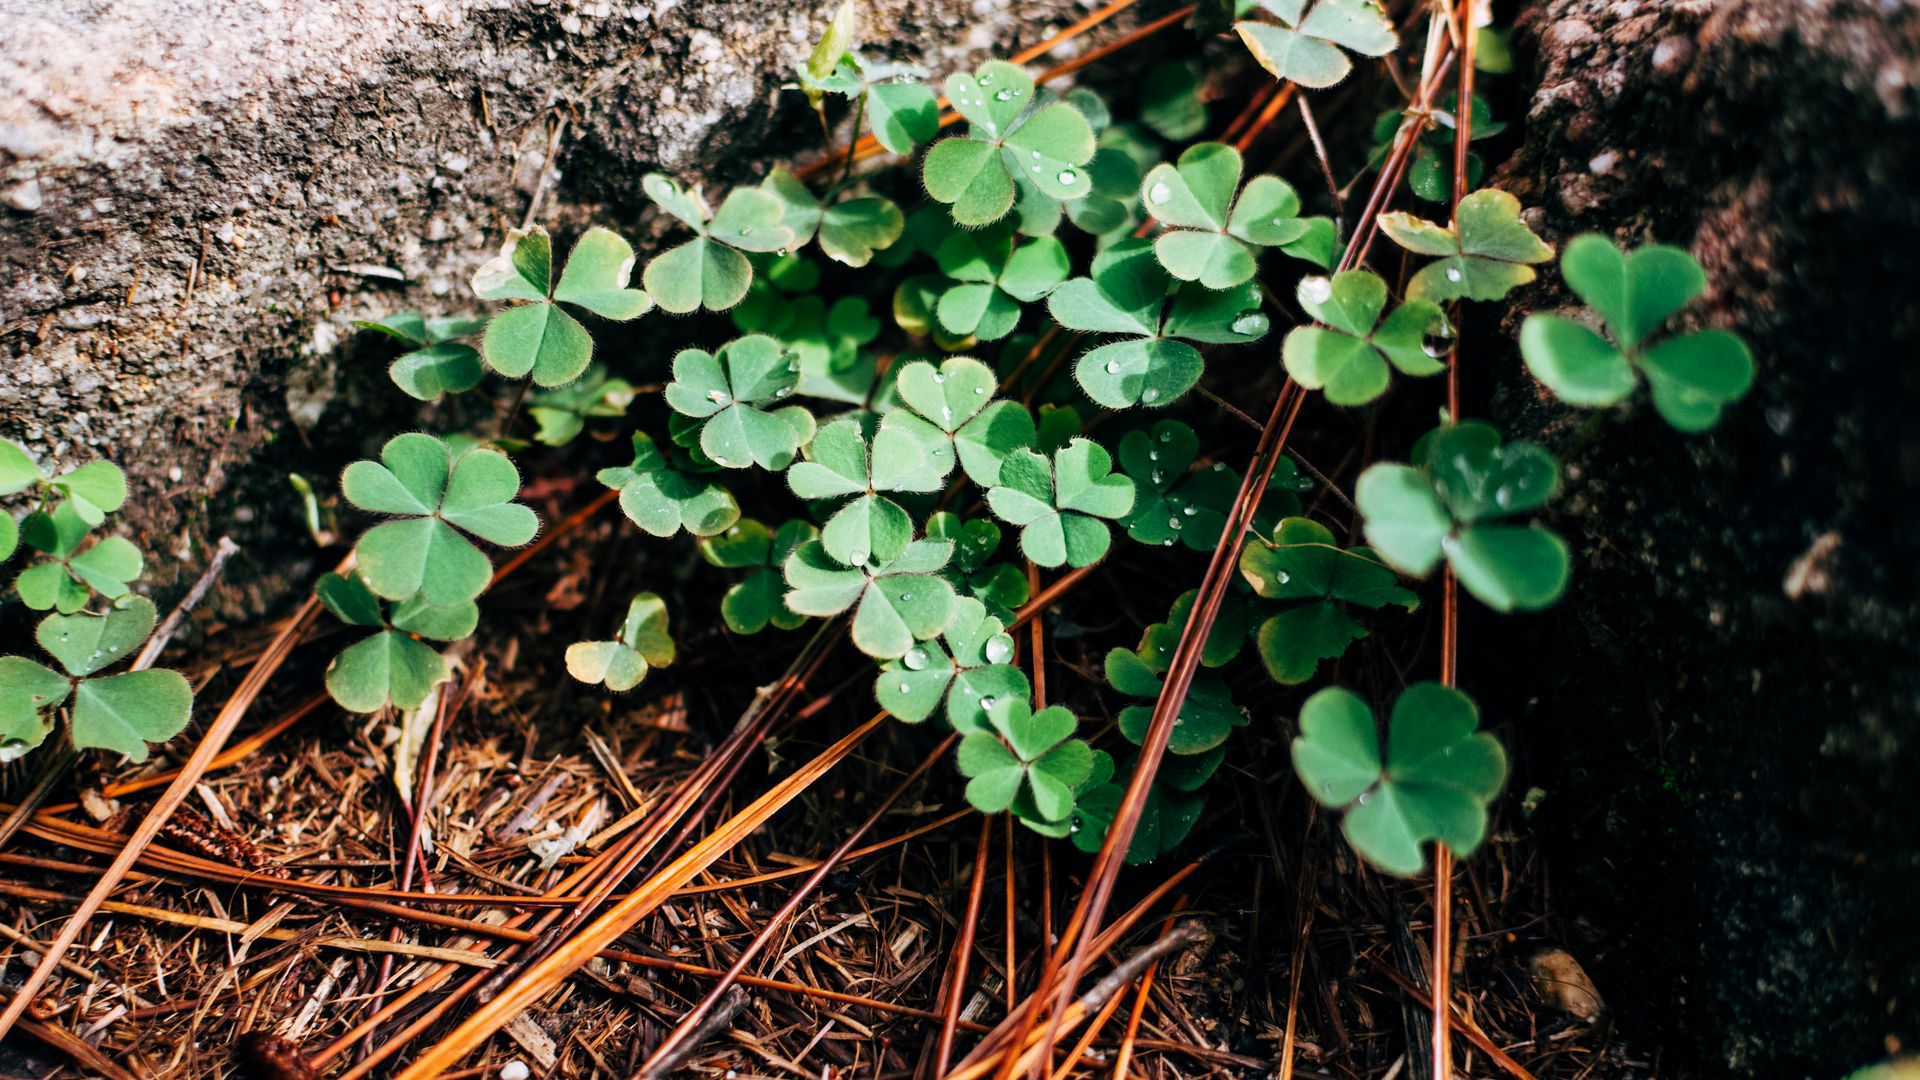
x: 515, y: 1070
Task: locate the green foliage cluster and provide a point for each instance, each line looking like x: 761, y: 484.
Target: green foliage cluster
x: 93, y: 619
x: 887, y: 366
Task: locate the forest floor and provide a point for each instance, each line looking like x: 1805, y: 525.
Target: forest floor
x: 303, y: 891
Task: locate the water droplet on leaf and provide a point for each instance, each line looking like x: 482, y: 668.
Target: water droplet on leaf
x: 1159, y: 193
x: 1317, y: 289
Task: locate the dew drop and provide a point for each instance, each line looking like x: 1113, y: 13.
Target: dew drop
x: 999, y: 649
x: 1159, y: 193
x: 746, y: 230
x: 1036, y: 154
x: 1282, y: 577
x: 719, y: 396
x: 1158, y: 476
x: 1362, y: 800
x: 1149, y: 394
x: 1167, y: 542
x: 1326, y: 788
x: 1166, y: 436
x: 916, y: 659
x: 1438, y: 340
x: 979, y: 391
x: 1319, y: 290
x: 783, y: 391
x: 1113, y: 367
x: 987, y: 701
x: 1174, y: 524
x: 782, y: 252
x: 939, y: 376
x: 1186, y: 511
x: 904, y: 688
x: 1453, y: 273
x: 1067, y: 176
x: 1250, y: 324
x: 905, y: 596
x: 1004, y: 95
x: 1153, y: 455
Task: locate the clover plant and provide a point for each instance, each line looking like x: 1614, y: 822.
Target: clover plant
x: 642, y: 644
x: 539, y: 337
x: 938, y: 379
x: 1305, y: 44
x: 1155, y: 360
x: 1693, y: 376
x: 1448, y: 503
x: 1009, y: 135
x: 1437, y: 777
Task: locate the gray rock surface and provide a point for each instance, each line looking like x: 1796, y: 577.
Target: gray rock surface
x: 196, y: 198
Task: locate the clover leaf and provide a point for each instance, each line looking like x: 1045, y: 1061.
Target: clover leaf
x: 840, y: 464
x: 1305, y: 47
x: 850, y: 231
x: 1483, y: 255
x: 438, y: 499
x: 1001, y: 586
x: 969, y: 676
x: 953, y: 414
x: 1047, y: 146
x: 562, y: 413
x: 1430, y: 174
x: 1058, y: 504
x: 1207, y: 716
x: 1439, y: 776
x: 1347, y: 356
x: 711, y: 270
x: 1693, y: 376
x: 896, y: 602
x: 539, y: 336
x: 1231, y: 623
x: 1213, y: 235
x: 728, y: 392
x: 439, y: 363
x: 663, y: 499
x: 71, y: 574
x: 759, y: 599
x: 1029, y: 763
x: 1172, y: 808
x: 1318, y: 581
x: 121, y: 712
x: 93, y: 490
x: 1128, y: 295
x: 995, y: 278
x: 1172, y: 503
x: 18, y: 470
x: 817, y: 72
x: 642, y: 644
x: 1461, y: 481
x: 392, y: 667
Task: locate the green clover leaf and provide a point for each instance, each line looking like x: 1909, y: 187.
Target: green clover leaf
x: 1462, y: 480
x: 642, y: 644
x: 1693, y: 376
x: 438, y: 500
x: 1058, y: 504
x: 1483, y: 255
x: 438, y: 363
x: 1307, y: 50
x: 869, y: 527
x: 70, y: 574
x: 1173, y: 502
x: 1048, y: 147
x: 969, y: 676
x: 392, y: 667
x: 758, y: 600
x: 539, y: 336
x: 1439, y: 777
x: 121, y: 712
x: 1318, y: 581
x: 850, y: 231
x: 29, y: 692
x: 1207, y: 716
x: 727, y: 393
x: 1430, y: 175
x: 562, y: 413
x: 818, y: 72
x: 995, y: 278
x: 1001, y: 586
x: 1030, y: 763
x: 1172, y: 808
x: 1347, y: 356
x: 896, y: 603
x: 1231, y: 627
x: 954, y: 415
x: 94, y: 490
x: 18, y: 470
x: 711, y: 270
x: 663, y: 499
x: 1154, y: 363
x: 1212, y: 235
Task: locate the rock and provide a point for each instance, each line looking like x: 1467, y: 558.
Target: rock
x: 1731, y: 687
x: 187, y: 191
x: 1561, y: 982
